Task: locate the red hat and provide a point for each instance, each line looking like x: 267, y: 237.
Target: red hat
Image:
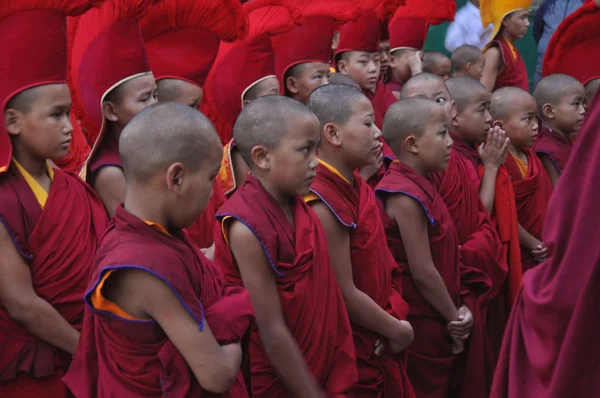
x: 33, y: 37
x: 183, y: 36
x: 248, y: 62
x: 409, y: 25
x: 311, y: 42
x: 108, y: 50
x: 574, y: 49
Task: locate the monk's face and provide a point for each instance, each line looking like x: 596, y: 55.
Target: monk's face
x: 363, y: 67
x: 570, y: 111
x: 590, y: 90
x: 516, y: 24
x: 521, y: 123
x: 293, y: 164
x: 359, y: 137
x: 308, y: 77
x: 44, y: 129
x: 434, y: 143
x: 474, y: 120
x: 436, y: 91
x: 183, y: 92
x: 134, y: 96
x: 384, y: 52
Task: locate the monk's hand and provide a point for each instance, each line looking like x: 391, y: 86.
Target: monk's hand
x: 458, y: 346
x: 369, y: 171
x: 379, y: 348
x: 539, y: 252
x: 402, y: 337
x: 461, y: 329
x: 493, y: 152
x: 415, y: 62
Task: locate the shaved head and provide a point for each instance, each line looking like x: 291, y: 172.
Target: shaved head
x: 340, y: 78
x: 332, y: 103
x: 179, y: 91
x: 591, y: 87
x: 504, y: 100
x: 463, y: 55
x: 552, y: 89
x: 464, y: 90
x: 265, y: 121
x: 432, y: 59
x: 163, y: 134
x: 417, y: 81
x: 409, y: 116
x: 22, y: 102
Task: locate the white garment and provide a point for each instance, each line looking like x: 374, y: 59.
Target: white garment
x: 467, y: 29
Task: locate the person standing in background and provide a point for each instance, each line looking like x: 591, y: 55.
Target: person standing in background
x: 550, y: 14
x: 467, y: 28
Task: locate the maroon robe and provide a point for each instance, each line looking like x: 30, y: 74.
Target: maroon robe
x: 375, y: 273
x: 550, y: 349
x: 201, y: 233
x: 483, y: 270
x: 58, y: 245
x: 555, y: 146
x: 311, y: 300
x: 531, y: 194
x: 513, y: 72
x: 394, y: 85
x: 430, y: 359
x: 106, y: 155
x: 117, y: 357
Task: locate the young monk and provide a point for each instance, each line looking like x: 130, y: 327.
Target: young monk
x: 515, y: 111
x: 273, y: 244
x: 437, y: 63
x: 504, y: 65
x: 364, y: 266
x: 112, y: 90
x: 483, y: 269
x: 561, y: 104
x: 423, y: 240
x: 468, y: 61
x: 50, y: 220
x: 157, y: 323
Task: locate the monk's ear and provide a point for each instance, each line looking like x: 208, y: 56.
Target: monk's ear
x: 548, y: 111
x: 342, y: 66
x: 411, y: 144
x: 245, y: 103
x: 109, y: 111
x: 175, y: 174
x: 331, y: 134
x: 291, y: 84
x: 454, y: 110
x: 260, y: 157
x: 13, y: 121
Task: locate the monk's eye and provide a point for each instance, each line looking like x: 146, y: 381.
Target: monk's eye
x: 440, y: 100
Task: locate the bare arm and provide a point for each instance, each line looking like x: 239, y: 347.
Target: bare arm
x: 362, y: 310
x: 280, y: 345
x: 550, y: 168
x: 110, y: 185
x: 493, y: 62
x: 24, y: 306
x: 412, y: 223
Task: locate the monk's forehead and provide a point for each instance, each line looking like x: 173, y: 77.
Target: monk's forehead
x: 427, y: 89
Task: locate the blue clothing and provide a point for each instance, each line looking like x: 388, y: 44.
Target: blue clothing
x: 550, y: 14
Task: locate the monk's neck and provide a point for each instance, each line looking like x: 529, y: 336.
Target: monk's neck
x: 414, y: 162
x: 284, y: 200
x: 508, y: 37
x: 114, y: 130
x: 460, y: 140
x: 347, y: 171
x: 518, y: 152
x: 549, y: 126
x: 35, y: 166
x: 143, y: 204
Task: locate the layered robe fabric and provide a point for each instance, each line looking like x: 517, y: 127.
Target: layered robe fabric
x: 201, y: 232
x: 120, y: 357
x: 532, y: 194
x: 375, y: 273
x: 550, y: 349
x: 513, y: 72
x: 394, y: 85
x: 58, y: 243
x: 483, y: 270
x: 552, y: 144
x: 311, y: 299
x: 430, y: 360
x: 106, y: 155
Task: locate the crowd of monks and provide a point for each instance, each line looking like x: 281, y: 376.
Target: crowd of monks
x: 290, y: 198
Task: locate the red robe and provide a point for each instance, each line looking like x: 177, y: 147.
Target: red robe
x: 311, y: 300
x: 375, y: 273
x: 58, y: 246
x: 513, y: 72
x: 531, y: 194
x: 201, y: 233
x: 484, y: 269
x: 132, y: 358
x: 78, y: 151
x: 551, y: 350
x: 394, y: 85
x: 430, y: 359
x: 555, y: 146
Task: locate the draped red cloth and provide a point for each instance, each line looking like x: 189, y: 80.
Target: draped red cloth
x: 483, y: 270
x: 550, y: 344
x: 393, y: 84
x: 375, y: 273
x: 106, y: 155
x: 201, y: 233
x: 127, y: 358
x: 555, y: 146
x: 311, y: 300
x: 532, y: 194
x: 430, y: 359
x: 58, y: 247
x: 78, y: 151
x: 513, y: 72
